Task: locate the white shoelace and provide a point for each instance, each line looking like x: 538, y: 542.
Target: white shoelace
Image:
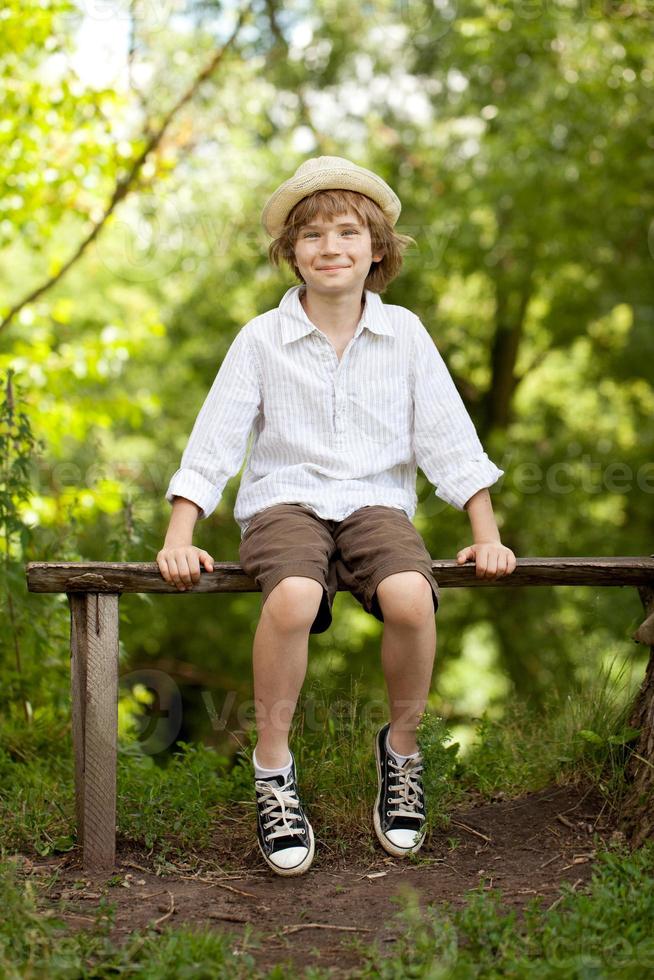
x: 280, y: 802
x: 405, y: 788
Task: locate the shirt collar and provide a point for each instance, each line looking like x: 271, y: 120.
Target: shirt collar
x: 296, y: 323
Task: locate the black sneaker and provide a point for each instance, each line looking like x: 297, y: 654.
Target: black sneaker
x: 285, y: 835
x: 399, y: 811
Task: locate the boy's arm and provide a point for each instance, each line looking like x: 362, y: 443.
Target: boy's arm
x: 482, y: 519
x: 449, y: 452
x: 446, y: 444
x: 218, y: 442
x: 492, y: 558
x: 182, y: 522
x: 179, y: 561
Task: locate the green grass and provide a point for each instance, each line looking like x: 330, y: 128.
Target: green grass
x: 36, y: 789
x: 600, y: 933
x: 170, y: 805
x: 335, y: 757
x: 33, y: 945
x: 169, y: 809
x: 583, y: 737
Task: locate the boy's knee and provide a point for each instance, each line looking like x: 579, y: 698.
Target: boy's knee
x: 405, y: 598
x: 294, y: 602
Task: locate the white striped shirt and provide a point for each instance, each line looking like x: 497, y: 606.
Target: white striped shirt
x: 333, y: 435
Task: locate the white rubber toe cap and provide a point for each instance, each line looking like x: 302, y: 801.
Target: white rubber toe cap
x: 402, y: 838
x: 289, y: 858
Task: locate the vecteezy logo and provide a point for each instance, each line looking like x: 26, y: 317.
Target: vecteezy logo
x: 158, y: 723
x: 432, y: 18
x: 144, y: 242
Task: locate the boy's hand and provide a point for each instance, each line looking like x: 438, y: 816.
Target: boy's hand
x: 181, y: 564
x: 492, y: 558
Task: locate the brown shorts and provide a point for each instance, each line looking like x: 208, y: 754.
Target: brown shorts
x: 354, y: 554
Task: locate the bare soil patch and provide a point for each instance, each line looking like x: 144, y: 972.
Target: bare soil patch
x: 525, y: 847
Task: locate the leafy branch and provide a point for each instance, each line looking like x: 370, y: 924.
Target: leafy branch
x: 152, y: 137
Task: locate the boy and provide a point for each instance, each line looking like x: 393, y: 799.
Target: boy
x: 345, y: 395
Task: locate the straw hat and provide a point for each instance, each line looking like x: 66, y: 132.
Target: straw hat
x: 325, y: 173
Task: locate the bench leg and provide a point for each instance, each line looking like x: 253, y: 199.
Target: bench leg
x: 638, y: 816
x: 94, y: 694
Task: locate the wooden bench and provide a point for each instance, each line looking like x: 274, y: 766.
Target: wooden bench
x: 94, y: 588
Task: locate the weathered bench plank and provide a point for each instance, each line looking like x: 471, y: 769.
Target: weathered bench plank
x: 99, y: 576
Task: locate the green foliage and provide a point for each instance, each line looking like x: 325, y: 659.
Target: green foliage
x: 32, y: 690
x: 171, y: 806
x: 170, y: 803
x: 167, y: 804
x: 35, y: 945
x: 54, y: 130
x: 439, y: 765
x: 583, y: 736
x: 521, y: 150
x: 524, y: 176
x: 36, y: 802
x: 603, y: 931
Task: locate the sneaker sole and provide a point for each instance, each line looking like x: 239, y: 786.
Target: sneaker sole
x: 388, y: 846
x: 300, y: 868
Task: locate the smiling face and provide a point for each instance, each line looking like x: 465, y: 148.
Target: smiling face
x: 334, y: 255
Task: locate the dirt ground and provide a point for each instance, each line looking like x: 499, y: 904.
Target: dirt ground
x: 525, y: 847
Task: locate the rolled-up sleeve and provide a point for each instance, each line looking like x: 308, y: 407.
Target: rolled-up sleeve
x: 217, y: 445
x: 447, y: 447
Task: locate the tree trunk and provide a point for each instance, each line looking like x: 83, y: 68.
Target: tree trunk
x: 512, y: 295
x: 638, y: 809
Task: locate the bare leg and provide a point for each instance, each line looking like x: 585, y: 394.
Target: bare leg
x: 279, y: 663
x: 408, y: 652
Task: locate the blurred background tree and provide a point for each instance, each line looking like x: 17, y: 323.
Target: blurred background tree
x: 517, y: 138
